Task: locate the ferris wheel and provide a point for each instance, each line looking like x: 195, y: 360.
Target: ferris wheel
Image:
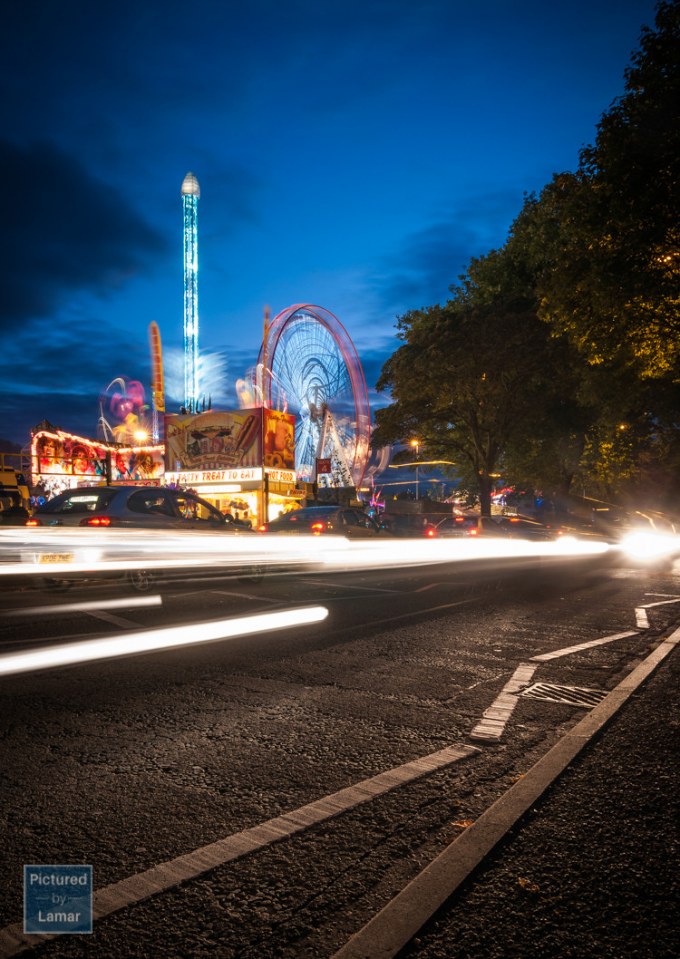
x: 311, y: 369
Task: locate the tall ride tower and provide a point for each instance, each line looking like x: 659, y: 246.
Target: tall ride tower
x: 191, y: 193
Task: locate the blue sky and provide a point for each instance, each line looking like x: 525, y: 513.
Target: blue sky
x: 350, y: 154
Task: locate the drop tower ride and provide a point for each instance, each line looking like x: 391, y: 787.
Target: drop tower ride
x: 191, y: 193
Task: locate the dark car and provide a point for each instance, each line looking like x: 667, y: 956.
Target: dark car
x: 131, y: 507
x: 12, y: 511
x: 513, y: 527
x: 149, y: 507
x: 408, y: 525
x: 318, y: 520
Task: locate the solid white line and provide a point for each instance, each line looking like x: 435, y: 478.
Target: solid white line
x: 545, y: 657
x: 495, y: 718
x: 663, y: 602
x: 389, y: 931
x: 165, y: 876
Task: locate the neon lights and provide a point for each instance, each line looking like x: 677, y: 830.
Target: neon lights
x: 190, y: 196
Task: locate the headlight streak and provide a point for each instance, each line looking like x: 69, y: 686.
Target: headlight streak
x: 157, y: 639
x: 649, y: 546
x: 21, y: 551
x: 134, y: 602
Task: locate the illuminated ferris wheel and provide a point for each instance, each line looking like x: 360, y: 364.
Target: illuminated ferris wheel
x: 312, y: 370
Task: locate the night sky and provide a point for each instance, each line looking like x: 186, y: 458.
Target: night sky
x: 351, y: 153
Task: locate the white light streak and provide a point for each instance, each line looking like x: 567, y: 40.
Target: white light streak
x: 156, y: 639
x: 133, y: 603
x: 51, y: 552
x: 648, y: 547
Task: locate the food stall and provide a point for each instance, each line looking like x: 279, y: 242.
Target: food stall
x: 241, y: 461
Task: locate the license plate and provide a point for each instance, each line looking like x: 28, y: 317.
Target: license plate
x: 55, y: 558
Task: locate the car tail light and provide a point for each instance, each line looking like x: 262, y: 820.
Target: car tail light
x: 431, y: 532
x: 474, y: 531
x: 33, y: 522
x: 96, y: 521
x: 264, y: 528
x: 317, y: 528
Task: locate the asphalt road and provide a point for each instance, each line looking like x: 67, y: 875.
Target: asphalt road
x: 132, y: 762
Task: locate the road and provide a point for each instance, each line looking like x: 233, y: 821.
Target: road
x: 133, y: 762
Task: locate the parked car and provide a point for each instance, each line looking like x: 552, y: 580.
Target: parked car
x: 130, y: 507
x: 150, y: 507
x: 409, y: 525
x: 513, y: 527
x: 318, y: 520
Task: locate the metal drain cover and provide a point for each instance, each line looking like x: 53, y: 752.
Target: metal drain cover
x: 572, y: 695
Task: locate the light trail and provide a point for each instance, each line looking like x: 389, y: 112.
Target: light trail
x: 50, y: 553
x: 156, y: 639
x: 134, y: 602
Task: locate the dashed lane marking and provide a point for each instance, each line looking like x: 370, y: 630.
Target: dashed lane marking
x: 641, y: 618
x: 568, y: 650
x: 391, y: 929
x: 165, y: 876
x: 111, y: 618
x: 495, y: 718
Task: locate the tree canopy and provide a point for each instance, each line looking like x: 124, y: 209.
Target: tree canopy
x: 605, y: 241
x: 558, y: 356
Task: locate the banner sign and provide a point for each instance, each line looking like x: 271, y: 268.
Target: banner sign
x: 192, y: 477
x: 63, y: 454
x: 279, y: 439
x: 213, y: 440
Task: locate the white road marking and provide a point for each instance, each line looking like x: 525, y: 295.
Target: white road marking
x: 112, y: 618
x: 239, y: 595
x: 556, y: 654
x: 641, y: 619
x: 350, y: 586
x: 495, y: 718
x: 165, y: 876
x: 389, y: 931
x: 662, y: 602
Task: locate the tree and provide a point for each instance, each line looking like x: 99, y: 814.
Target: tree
x: 605, y: 241
x: 468, y: 382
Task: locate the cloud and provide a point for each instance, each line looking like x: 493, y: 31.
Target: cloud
x: 431, y: 260
x: 56, y: 370
x: 64, y: 233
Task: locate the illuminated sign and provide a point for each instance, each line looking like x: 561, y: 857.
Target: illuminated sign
x: 281, y: 476
x: 191, y: 477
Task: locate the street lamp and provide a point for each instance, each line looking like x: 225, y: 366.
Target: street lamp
x: 416, y: 446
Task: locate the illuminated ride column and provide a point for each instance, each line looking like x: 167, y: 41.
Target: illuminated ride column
x: 190, y: 196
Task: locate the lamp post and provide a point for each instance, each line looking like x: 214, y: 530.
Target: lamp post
x: 416, y: 445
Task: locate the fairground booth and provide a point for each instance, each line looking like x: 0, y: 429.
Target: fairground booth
x: 61, y: 460
x: 243, y: 462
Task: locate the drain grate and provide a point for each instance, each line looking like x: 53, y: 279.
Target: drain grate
x: 572, y: 695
